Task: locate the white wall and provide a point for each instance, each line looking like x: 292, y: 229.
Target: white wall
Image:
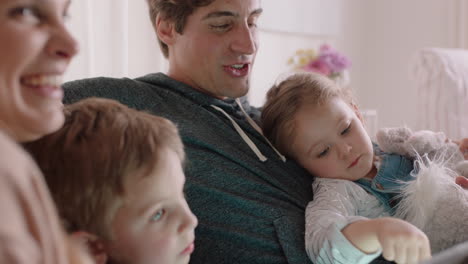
x: 116, y: 39
x: 286, y: 27
x: 381, y: 37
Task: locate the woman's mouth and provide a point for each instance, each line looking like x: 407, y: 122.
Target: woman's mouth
x: 44, y: 85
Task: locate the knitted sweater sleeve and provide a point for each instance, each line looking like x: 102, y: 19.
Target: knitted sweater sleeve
x: 334, y: 207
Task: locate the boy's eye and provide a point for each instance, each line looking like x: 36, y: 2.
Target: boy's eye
x: 344, y: 132
x: 158, y: 215
x: 324, y: 152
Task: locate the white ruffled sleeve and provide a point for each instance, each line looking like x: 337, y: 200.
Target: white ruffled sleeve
x: 335, y: 205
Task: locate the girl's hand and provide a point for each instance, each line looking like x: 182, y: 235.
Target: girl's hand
x: 463, y: 144
x: 401, y: 241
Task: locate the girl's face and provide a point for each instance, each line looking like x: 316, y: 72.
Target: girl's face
x: 35, y: 50
x: 331, y: 142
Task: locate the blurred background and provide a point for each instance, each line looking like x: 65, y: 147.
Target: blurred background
x: 380, y: 37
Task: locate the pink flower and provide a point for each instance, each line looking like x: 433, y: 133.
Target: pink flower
x: 318, y: 66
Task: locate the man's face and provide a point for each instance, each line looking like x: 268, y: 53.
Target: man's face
x: 217, y: 48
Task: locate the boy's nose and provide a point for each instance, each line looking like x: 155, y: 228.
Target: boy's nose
x: 190, y: 221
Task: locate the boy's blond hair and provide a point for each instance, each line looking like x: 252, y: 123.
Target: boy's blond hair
x: 86, y: 162
x: 285, y: 99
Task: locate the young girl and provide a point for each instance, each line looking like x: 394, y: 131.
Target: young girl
x: 312, y: 120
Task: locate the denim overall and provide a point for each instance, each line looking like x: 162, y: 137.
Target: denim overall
x: 394, y: 171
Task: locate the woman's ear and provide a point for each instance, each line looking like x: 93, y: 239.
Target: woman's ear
x: 93, y: 244
x: 165, y: 30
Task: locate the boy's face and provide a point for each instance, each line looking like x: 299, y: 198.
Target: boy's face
x: 216, y: 50
x: 154, y: 224
x: 331, y: 141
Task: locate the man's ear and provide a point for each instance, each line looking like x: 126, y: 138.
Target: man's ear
x: 93, y: 244
x: 165, y: 30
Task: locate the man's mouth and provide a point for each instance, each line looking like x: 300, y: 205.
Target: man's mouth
x: 238, y: 69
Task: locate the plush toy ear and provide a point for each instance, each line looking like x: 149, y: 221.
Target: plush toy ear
x: 392, y: 140
x: 425, y: 141
x: 93, y: 244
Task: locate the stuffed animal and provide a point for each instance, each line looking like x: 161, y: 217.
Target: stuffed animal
x: 432, y: 201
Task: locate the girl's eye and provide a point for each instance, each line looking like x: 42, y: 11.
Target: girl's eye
x: 324, y: 152
x: 158, y: 215
x: 344, y: 132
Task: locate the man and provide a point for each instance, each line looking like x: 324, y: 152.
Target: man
x: 249, y: 200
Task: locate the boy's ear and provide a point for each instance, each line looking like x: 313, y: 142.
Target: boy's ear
x: 93, y: 244
x: 165, y: 30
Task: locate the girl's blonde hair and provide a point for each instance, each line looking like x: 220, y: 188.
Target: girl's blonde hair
x: 287, y: 97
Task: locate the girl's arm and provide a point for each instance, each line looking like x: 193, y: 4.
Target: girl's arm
x: 333, y: 208
x: 399, y: 240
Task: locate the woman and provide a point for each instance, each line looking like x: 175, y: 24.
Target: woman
x: 35, y: 50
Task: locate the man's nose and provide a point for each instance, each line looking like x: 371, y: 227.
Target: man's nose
x: 244, y: 41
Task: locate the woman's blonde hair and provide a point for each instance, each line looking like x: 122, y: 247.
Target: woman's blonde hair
x: 285, y: 99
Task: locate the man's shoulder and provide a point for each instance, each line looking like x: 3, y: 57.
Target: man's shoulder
x: 126, y: 90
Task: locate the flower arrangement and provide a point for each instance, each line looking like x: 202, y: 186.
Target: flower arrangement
x: 327, y: 61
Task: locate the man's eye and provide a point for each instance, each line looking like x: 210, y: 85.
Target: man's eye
x: 158, y: 215
x: 221, y: 27
x: 324, y: 152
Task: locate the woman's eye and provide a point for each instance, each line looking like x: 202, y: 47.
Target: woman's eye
x: 27, y: 13
x: 324, y: 152
x: 346, y: 130
x: 158, y: 215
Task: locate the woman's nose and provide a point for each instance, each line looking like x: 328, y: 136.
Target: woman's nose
x: 62, y: 44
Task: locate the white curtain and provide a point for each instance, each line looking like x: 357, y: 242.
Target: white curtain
x: 116, y: 39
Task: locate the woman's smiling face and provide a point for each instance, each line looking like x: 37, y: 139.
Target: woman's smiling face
x: 35, y: 50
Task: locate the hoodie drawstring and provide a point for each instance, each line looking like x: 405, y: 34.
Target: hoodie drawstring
x: 244, y: 136
x: 259, y: 130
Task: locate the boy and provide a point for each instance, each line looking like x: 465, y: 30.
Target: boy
x: 116, y: 176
